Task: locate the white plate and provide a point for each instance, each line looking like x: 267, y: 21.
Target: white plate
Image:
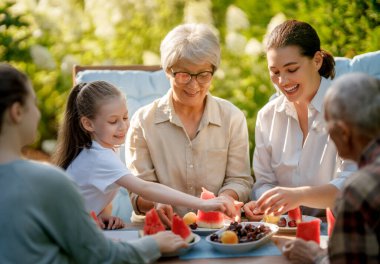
x: 243, y: 247
x: 202, y: 231
x: 305, y: 218
x: 182, y: 251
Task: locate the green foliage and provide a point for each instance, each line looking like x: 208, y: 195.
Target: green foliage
x: 119, y: 32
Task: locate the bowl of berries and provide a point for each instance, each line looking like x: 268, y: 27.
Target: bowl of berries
x: 241, y: 237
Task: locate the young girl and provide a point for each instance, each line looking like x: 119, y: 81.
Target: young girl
x: 42, y: 213
x: 95, y: 124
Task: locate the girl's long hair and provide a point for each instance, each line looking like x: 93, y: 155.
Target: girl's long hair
x: 84, y: 100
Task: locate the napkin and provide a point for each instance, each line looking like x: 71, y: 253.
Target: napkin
x: 205, y: 250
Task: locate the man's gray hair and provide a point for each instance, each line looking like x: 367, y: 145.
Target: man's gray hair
x: 355, y: 99
x: 194, y: 42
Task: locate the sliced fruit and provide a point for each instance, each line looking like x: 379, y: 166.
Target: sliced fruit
x: 152, y: 223
x: 295, y: 214
x: 209, y: 219
x: 190, y: 218
x: 292, y: 223
x: 179, y: 227
x: 229, y: 237
x: 271, y: 218
x: 309, y: 230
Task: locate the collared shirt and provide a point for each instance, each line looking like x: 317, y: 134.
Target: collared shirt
x: 281, y: 158
x: 158, y: 149
x: 356, y: 235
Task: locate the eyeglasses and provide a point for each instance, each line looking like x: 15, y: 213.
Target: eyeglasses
x: 185, y: 77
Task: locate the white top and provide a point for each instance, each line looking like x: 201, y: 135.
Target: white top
x: 95, y: 170
x: 280, y: 159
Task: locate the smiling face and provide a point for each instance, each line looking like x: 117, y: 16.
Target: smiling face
x: 295, y: 75
x: 193, y: 93
x: 110, y: 124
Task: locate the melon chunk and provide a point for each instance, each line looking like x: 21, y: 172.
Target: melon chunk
x: 180, y: 228
x: 152, y: 223
x: 212, y: 220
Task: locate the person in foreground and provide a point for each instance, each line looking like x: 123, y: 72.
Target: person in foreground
x: 295, y: 162
x: 189, y: 139
x: 94, y: 125
x: 43, y: 217
x: 352, y: 111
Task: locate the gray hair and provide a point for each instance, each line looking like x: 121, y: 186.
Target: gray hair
x: 355, y: 99
x: 194, y: 42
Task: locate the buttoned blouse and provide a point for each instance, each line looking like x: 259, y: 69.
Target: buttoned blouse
x: 281, y: 158
x: 158, y: 149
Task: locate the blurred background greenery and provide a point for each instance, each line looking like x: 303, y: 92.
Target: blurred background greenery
x: 45, y: 38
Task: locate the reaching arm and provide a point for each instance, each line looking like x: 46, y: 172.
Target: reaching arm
x: 282, y: 199
x: 163, y: 194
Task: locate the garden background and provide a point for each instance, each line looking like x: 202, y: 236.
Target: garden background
x: 46, y: 38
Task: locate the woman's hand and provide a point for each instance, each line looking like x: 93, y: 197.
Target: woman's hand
x: 279, y: 200
x: 300, y: 251
x: 252, y: 212
x: 165, y: 212
x: 169, y: 242
x: 110, y: 222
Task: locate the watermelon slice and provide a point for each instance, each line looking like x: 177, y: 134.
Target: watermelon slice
x: 309, y: 230
x: 330, y: 221
x: 295, y: 215
x: 212, y: 220
x: 180, y: 228
x: 152, y: 223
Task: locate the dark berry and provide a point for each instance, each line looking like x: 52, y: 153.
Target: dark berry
x: 292, y: 223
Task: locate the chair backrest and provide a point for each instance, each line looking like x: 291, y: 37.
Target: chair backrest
x: 142, y: 85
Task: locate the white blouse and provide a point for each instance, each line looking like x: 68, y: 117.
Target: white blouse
x: 280, y: 159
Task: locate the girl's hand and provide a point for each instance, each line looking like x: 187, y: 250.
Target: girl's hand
x: 169, y: 242
x: 110, y: 222
x: 252, y: 212
x: 165, y: 212
x: 279, y: 200
x: 224, y: 204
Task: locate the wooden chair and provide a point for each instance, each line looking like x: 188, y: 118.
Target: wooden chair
x: 142, y: 84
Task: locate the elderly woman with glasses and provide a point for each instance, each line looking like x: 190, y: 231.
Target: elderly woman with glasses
x: 189, y: 139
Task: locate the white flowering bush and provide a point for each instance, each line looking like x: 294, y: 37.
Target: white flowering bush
x: 45, y: 38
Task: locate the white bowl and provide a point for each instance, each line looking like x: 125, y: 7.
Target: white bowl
x: 242, y: 247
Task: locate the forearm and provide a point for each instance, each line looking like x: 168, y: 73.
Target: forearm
x: 318, y: 196
x: 163, y: 194
x: 230, y: 193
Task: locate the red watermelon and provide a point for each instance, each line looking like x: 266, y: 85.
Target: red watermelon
x: 295, y: 215
x: 209, y: 219
x: 309, y: 230
x: 152, y: 223
x: 330, y: 221
x: 180, y: 228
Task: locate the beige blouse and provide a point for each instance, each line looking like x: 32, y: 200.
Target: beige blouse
x: 158, y: 149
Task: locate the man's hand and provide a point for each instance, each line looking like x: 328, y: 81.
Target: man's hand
x: 301, y: 251
x: 165, y: 212
x: 252, y: 212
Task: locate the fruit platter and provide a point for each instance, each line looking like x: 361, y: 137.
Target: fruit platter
x: 288, y: 223
x: 242, y: 237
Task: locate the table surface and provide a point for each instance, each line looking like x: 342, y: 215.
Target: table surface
x: 278, y: 240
